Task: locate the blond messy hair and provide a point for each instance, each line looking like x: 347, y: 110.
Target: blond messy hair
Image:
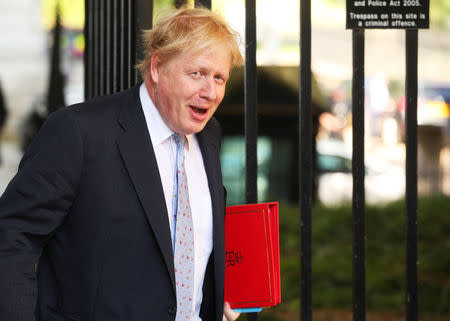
x: 187, y: 29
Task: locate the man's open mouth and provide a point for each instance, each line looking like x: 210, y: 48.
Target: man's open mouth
x: 199, y: 111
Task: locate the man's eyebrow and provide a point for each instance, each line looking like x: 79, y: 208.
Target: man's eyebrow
x: 225, y: 76
x: 203, y: 70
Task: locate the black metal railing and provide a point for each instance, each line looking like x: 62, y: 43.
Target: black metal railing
x: 111, y: 33
x: 305, y: 160
x: 112, y: 49
x: 411, y: 175
x: 251, y: 111
x: 358, y: 170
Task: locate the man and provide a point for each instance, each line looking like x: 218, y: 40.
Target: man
x: 99, y: 197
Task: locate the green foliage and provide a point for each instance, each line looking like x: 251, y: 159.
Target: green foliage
x: 385, y: 257
x: 440, y: 13
x: 160, y: 5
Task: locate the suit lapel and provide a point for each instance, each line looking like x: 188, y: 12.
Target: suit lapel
x: 138, y: 155
x: 209, y: 146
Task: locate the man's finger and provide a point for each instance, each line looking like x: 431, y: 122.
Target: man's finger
x: 228, y: 313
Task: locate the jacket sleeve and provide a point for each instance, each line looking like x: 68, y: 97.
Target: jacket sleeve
x: 33, y: 206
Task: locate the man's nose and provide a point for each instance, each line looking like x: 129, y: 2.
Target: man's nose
x: 208, y: 90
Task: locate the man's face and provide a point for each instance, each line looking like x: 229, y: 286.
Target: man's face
x: 189, y: 88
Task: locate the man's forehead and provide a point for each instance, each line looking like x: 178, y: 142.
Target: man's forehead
x: 208, y: 57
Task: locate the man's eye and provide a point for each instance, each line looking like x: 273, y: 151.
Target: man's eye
x: 195, y: 73
x: 220, y: 79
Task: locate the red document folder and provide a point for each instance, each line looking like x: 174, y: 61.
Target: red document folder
x: 252, y: 274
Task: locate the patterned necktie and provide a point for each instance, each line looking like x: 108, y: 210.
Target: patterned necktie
x: 184, y: 238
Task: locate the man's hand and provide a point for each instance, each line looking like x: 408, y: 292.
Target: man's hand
x: 228, y: 313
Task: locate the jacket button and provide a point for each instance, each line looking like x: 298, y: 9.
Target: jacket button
x: 172, y: 309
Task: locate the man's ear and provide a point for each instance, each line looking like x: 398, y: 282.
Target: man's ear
x: 155, y: 66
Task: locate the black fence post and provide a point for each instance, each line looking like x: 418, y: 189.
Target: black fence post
x: 411, y: 175
x: 102, y: 50
x: 95, y: 44
x: 88, y: 52
x: 131, y: 42
x: 305, y: 160
x: 144, y: 21
x: 108, y: 46
x: 115, y: 78
x: 358, y: 172
x: 250, y: 102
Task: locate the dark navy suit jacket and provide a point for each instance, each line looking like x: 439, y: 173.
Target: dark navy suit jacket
x: 87, y: 206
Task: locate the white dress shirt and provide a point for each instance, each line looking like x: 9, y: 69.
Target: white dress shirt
x: 199, y: 194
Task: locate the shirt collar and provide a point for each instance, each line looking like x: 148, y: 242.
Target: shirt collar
x: 158, y: 129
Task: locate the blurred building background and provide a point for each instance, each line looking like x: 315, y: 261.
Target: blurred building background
x: 26, y: 41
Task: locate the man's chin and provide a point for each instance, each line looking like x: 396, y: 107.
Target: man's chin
x: 195, y: 131
x: 191, y: 129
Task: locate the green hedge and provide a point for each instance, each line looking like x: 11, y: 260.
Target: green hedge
x: 385, y: 257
